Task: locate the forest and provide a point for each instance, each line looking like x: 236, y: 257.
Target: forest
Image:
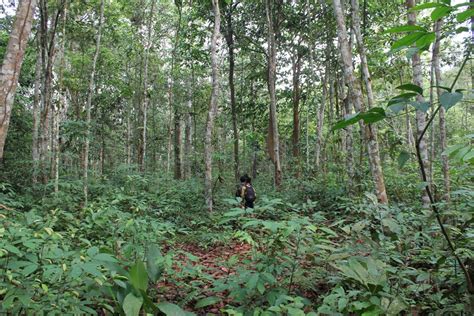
x: 236, y: 157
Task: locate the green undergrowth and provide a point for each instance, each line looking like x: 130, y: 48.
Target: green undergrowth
x: 312, y: 251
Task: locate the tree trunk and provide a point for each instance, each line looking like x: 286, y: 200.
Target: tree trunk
x: 442, y: 113
x: 420, y: 115
x: 188, y: 131
x: 89, y: 102
x: 230, y: 44
x: 177, y: 115
x: 11, y: 65
x: 36, y: 114
x: 212, y: 107
x: 146, y: 97
x: 320, y: 122
x: 370, y: 130
x: 296, y: 69
x: 274, y: 147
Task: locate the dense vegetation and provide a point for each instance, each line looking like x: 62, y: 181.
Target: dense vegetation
x: 124, y: 135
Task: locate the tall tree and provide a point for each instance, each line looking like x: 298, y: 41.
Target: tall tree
x: 12, y: 61
x: 273, y: 139
x: 90, y: 93
x: 229, y: 37
x: 212, y: 106
x: 370, y: 130
x: 420, y: 115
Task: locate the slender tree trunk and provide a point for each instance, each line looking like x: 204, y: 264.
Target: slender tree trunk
x: 11, y: 65
x: 146, y: 97
x: 296, y: 69
x: 188, y: 137
x: 36, y: 114
x: 274, y: 142
x: 230, y: 44
x: 320, y: 122
x: 177, y: 114
x: 212, y: 107
x: 370, y: 130
x: 442, y: 113
x: 89, y: 103
x: 420, y: 115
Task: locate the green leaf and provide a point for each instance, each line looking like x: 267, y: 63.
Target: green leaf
x: 404, y: 97
x: 349, y: 120
x: 449, y: 99
x: 170, y: 309
x: 425, y: 41
x: 407, y: 40
x: 440, y: 12
x: 105, y: 257
x: 411, y: 87
x: 425, y: 6
x: 398, y: 107
x: 139, y: 276
x: 373, y: 115
x: 421, y: 106
x: 154, y: 269
x: 132, y: 305
x: 211, y: 300
x: 403, y: 158
x: 405, y: 28
x: 252, y: 282
x: 463, y: 16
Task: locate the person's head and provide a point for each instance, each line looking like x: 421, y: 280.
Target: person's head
x: 243, y: 179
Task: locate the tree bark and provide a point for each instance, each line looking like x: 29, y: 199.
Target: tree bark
x: 176, y: 115
x: 230, y: 44
x: 296, y: 70
x: 442, y: 113
x: 420, y: 115
x: 370, y: 130
x: 146, y: 97
x: 36, y: 114
x: 11, y: 65
x: 89, y: 103
x: 274, y: 147
x: 212, y: 107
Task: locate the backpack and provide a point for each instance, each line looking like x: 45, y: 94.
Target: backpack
x: 249, y: 193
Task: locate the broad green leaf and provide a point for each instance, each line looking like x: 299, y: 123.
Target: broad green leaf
x: 397, y: 107
x: 211, y: 300
x: 170, y: 309
x: 392, y: 225
x: 463, y: 16
x: 449, y: 99
x: 153, y: 268
x: 421, y: 106
x: 411, y: 87
x: 373, y: 115
x: 424, y: 6
x: 132, y: 305
x: 440, y: 12
x: 426, y: 40
x: 139, y: 276
x: 407, y: 40
x: 349, y: 120
x: 403, y: 158
x: 405, y: 28
x: 105, y: 257
x: 252, y: 282
x: 404, y: 97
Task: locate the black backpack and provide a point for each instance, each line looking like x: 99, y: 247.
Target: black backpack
x: 249, y: 194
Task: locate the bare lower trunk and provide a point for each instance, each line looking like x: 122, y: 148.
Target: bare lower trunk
x: 420, y: 115
x: 370, y: 130
x: 188, y: 137
x: 320, y: 122
x: 212, y: 108
x: 12, y: 61
x: 89, y: 103
x: 273, y: 128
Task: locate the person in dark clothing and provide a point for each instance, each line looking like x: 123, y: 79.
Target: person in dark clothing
x: 247, y: 192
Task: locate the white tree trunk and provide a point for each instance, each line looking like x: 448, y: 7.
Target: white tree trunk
x: 212, y: 107
x: 89, y: 102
